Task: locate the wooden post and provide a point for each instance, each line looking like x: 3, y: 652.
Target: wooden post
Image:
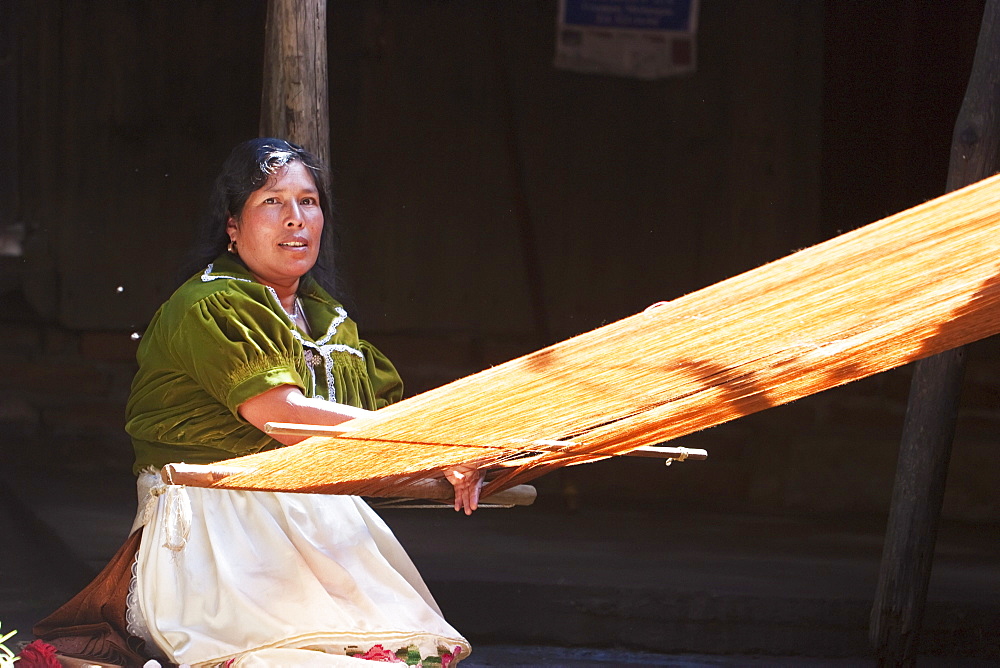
x: 932, y: 409
x: 294, y: 101
x: 911, y: 532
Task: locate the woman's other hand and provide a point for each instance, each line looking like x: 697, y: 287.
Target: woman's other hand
x: 467, y: 481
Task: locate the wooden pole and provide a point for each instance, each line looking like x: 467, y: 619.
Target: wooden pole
x: 294, y: 101
x: 932, y: 410
x: 911, y: 532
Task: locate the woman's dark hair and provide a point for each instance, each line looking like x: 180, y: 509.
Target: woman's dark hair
x: 247, y: 168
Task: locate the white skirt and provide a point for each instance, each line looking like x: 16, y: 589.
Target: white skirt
x: 254, y: 576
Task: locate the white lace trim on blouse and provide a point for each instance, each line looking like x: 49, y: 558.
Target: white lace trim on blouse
x: 321, y: 346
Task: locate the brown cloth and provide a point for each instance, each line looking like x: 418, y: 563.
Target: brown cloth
x: 92, y: 624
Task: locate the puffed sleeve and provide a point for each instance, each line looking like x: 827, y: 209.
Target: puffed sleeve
x: 387, y: 386
x: 236, y: 348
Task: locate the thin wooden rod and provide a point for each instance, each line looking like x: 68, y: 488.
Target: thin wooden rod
x: 649, y: 451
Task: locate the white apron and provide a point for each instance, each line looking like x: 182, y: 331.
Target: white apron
x: 257, y: 577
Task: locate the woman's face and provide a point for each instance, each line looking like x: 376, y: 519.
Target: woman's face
x: 278, y: 232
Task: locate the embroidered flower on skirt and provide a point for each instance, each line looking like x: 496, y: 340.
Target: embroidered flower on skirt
x: 407, y: 655
x: 38, y: 654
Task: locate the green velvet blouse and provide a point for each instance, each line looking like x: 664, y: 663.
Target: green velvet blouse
x: 223, y: 338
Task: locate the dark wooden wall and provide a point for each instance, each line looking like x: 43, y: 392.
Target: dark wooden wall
x: 894, y: 74
x: 125, y: 110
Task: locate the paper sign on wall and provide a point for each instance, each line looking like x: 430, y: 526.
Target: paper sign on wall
x: 646, y: 39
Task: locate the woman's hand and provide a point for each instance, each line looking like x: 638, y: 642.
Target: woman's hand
x: 467, y: 481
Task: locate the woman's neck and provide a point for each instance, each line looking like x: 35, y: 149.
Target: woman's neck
x: 287, y: 300
x: 286, y: 292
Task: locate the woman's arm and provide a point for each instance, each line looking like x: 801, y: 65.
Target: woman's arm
x: 286, y: 403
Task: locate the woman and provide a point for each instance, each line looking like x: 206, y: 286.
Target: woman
x: 235, y: 578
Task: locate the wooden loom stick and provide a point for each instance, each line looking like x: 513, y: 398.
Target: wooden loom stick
x: 431, y: 489
x: 914, y: 284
